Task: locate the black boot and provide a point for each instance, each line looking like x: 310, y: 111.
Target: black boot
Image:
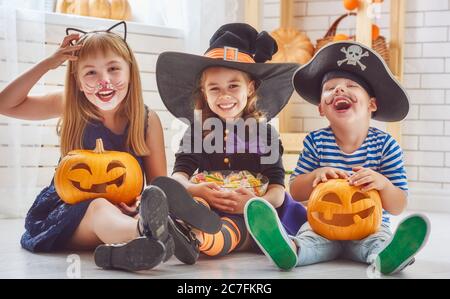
x: 153, y: 247
x: 139, y: 254
x: 186, y: 245
x: 183, y: 207
x: 153, y: 217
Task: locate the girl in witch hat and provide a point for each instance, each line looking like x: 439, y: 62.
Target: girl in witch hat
x: 227, y: 96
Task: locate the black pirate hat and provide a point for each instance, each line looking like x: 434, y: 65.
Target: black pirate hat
x: 359, y: 62
x: 238, y: 46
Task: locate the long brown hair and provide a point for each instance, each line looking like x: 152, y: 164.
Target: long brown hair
x: 78, y: 111
x: 200, y: 103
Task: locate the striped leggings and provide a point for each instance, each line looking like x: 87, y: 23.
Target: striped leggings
x: 231, y: 236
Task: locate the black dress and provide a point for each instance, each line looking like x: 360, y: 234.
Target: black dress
x: 244, y: 153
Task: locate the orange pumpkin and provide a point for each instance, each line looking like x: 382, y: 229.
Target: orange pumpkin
x: 375, y: 32
x: 293, y: 46
x: 351, y: 4
x: 100, y: 8
x: 82, y: 8
x: 112, y: 9
x: 338, y: 211
x: 340, y: 36
x: 85, y: 174
x: 120, y: 10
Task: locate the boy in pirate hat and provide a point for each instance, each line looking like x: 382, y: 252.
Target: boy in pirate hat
x: 351, y: 84
x: 229, y: 85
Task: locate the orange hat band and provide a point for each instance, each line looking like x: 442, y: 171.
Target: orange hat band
x: 229, y: 54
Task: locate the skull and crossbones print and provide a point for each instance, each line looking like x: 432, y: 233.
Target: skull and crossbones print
x: 353, y: 55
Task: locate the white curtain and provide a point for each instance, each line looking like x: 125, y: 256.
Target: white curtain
x: 199, y: 19
x: 19, y: 140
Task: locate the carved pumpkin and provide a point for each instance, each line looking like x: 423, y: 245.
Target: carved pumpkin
x: 293, y: 46
x: 85, y: 174
x: 338, y: 211
x: 111, y: 9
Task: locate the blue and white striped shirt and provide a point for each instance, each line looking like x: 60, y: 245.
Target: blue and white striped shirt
x: 379, y: 152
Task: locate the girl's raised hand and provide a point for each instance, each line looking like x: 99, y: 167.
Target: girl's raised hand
x: 65, y: 52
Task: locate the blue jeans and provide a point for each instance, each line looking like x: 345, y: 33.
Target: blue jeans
x: 313, y: 248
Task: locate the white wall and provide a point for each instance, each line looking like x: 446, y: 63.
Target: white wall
x: 426, y: 130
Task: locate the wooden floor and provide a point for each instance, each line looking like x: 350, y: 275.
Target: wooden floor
x: 432, y: 262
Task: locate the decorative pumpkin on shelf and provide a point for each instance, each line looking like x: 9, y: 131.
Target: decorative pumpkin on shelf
x: 86, y: 174
x: 375, y: 32
x: 351, y: 4
x: 341, y: 36
x: 75, y: 7
x: 293, y: 46
x: 338, y: 211
x: 120, y: 10
x: 100, y: 9
x: 109, y: 9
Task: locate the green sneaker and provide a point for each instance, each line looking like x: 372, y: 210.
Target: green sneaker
x: 266, y: 229
x: 410, y: 236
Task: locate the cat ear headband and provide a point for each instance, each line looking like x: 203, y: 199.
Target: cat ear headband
x: 109, y: 30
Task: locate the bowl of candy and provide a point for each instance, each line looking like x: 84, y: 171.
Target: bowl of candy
x: 231, y: 180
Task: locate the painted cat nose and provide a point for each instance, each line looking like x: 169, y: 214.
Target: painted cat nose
x: 103, y: 82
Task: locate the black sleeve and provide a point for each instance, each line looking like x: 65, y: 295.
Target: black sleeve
x: 186, y: 160
x: 274, y: 171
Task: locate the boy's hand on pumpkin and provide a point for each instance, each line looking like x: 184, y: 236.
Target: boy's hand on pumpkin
x: 324, y: 173
x: 216, y: 197
x: 65, y: 52
x: 368, y: 179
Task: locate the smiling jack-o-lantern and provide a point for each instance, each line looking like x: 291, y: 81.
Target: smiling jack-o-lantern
x: 85, y: 174
x: 338, y: 211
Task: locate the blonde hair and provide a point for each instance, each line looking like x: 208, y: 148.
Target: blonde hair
x: 200, y: 102
x: 78, y: 111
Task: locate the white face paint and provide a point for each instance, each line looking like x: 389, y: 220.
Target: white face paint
x: 104, y: 80
x: 105, y: 95
x: 344, y: 101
